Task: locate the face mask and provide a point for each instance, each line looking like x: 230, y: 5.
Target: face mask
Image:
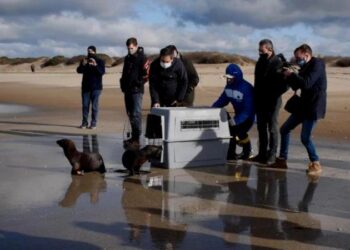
x: 165, y: 65
x: 230, y: 80
x: 301, y: 62
x: 264, y: 56
x: 132, y: 51
x: 91, y: 55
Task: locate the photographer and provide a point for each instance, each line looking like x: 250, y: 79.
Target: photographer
x: 312, y: 81
x: 92, y: 69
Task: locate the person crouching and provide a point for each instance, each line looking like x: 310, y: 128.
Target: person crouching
x: 239, y: 93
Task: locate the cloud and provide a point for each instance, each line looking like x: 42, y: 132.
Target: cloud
x: 259, y: 14
x: 46, y: 28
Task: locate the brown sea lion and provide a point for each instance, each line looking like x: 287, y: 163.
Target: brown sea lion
x: 80, y: 161
x: 134, y: 159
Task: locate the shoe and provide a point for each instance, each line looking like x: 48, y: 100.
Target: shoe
x: 82, y: 126
x: 92, y: 127
x: 259, y: 159
x: 279, y: 163
x: 314, y: 168
x: 246, y: 156
x: 271, y: 159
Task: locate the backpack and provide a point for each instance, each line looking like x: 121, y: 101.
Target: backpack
x: 146, y: 69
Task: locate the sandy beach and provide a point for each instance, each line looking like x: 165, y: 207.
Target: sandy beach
x: 55, y: 98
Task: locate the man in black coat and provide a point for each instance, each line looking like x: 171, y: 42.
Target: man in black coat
x: 192, y: 77
x: 268, y: 88
x: 168, y: 80
x: 134, y: 76
x: 312, y: 81
x: 92, y: 68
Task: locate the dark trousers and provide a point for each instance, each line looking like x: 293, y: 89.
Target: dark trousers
x: 90, y: 98
x: 267, y: 123
x: 133, y: 106
x: 189, y: 99
x: 239, y: 134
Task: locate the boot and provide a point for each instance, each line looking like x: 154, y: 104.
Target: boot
x: 231, y: 153
x: 247, y: 148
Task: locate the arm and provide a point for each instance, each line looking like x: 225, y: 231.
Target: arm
x: 222, y: 101
x: 122, y: 79
x: 152, y: 85
x: 182, y: 83
x: 307, y: 80
x: 100, y: 67
x: 248, y: 104
x: 192, y: 74
x: 81, y: 68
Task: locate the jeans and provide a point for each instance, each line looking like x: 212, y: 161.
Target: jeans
x: 90, y: 97
x: 267, y: 123
x: 306, y: 130
x: 133, y: 105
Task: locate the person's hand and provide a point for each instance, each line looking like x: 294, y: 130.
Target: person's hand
x: 156, y: 105
x: 232, y: 122
x: 173, y: 104
x: 84, y: 61
x: 287, y: 73
x: 92, y: 62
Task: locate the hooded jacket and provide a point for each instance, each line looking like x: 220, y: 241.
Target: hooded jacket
x: 167, y: 85
x: 92, y: 75
x: 240, y: 95
x: 132, y: 80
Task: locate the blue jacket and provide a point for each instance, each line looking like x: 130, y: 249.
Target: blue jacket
x: 240, y: 95
x: 92, y: 75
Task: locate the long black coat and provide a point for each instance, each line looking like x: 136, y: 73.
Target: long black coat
x: 312, y: 80
x: 167, y: 85
x: 268, y: 84
x: 132, y: 80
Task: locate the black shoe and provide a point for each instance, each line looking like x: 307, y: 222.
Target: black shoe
x: 259, y: 159
x: 246, y: 156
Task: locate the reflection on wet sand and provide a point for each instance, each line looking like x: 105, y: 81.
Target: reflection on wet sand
x: 90, y: 183
x: 143, y: 206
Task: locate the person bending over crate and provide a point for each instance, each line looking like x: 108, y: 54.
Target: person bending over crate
x: 239, y: 93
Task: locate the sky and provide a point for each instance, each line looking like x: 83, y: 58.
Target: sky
x: 67, y: 27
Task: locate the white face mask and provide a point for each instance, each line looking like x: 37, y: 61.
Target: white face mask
x: 165, y: 65
x: 132, y: 51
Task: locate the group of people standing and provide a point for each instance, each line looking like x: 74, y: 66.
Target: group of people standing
x: 173, y: 78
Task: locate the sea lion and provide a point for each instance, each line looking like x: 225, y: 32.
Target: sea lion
x: 80, y: 161
x: 134, y: 159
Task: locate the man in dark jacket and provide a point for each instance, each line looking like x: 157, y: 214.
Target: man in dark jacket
x: 268, y: 89
x: 312, y: 81
x: 168, y: 80
x: 132, y: 83
x: 192, y: 77
x: 92, y: 69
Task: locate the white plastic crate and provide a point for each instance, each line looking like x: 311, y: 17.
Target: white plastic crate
x: 193, y: 136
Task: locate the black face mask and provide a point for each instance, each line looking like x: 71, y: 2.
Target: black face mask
x: 264, y: 56
x: 91, y: 55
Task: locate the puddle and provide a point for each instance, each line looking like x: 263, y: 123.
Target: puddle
x: 238, y: 205
x: 9, y: 109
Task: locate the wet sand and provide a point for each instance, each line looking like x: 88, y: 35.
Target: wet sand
x: 237, y: 205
